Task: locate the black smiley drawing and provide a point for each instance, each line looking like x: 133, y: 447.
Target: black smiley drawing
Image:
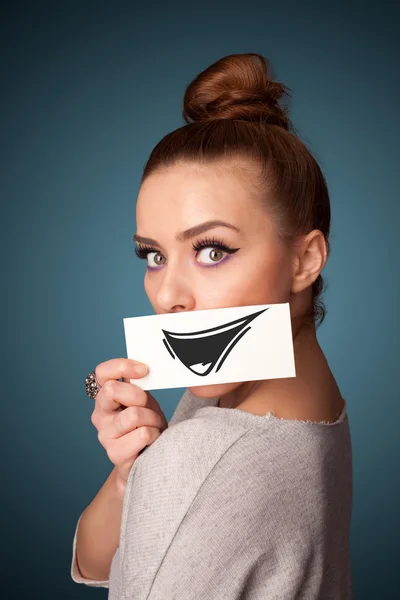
x: 200, y: 351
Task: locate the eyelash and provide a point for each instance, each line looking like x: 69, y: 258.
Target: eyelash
x: 143, y: 251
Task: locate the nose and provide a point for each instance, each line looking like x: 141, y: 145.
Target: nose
x: 175, y: 291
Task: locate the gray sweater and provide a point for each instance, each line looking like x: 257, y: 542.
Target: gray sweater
x: 228, y: 505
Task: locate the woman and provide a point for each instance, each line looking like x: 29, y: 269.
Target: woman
x: 248, y: 492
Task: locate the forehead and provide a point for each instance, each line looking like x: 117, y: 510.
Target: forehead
x: 192, y: 187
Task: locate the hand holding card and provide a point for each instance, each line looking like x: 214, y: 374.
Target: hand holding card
x: 126, y: 417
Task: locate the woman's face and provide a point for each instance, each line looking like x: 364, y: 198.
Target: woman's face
x: 173, y: 209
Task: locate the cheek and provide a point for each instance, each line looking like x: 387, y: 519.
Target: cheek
x: 257, y: 282
x: 274, y: 281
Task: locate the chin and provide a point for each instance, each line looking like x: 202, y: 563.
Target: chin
x: 213, y: 391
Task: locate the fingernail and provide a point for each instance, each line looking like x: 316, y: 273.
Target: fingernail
x: 141, y: 369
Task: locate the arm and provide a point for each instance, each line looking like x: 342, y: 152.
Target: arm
x: 97, y: 535
x: 97, y: 532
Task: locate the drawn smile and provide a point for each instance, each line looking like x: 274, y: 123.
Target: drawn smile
x: 200, y: 351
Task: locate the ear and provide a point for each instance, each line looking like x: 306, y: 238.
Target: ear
x: 310, y: 256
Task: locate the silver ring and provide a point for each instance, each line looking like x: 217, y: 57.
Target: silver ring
x: 92, y: 385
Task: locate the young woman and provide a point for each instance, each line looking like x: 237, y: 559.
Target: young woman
x: 248, y: 491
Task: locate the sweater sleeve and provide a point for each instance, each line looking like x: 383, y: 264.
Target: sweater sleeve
x: 75, y: 572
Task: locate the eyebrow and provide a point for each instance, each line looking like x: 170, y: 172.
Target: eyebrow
x: 183, y: 236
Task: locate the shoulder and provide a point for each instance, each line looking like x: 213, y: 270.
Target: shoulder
x: 230, y: 454
x: 201, y: 454
x: 282, y: 463
x: 190, y: 447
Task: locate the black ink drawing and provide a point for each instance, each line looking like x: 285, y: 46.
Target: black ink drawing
x: 199, y: 351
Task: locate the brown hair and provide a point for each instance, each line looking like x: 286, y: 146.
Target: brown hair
x: 232, y: 112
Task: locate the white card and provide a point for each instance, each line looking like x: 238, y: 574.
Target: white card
x: 205, y: 347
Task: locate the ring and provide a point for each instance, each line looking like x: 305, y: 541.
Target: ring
x: 92, y: 385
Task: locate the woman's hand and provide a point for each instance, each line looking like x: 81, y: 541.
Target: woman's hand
x: 126, y: 417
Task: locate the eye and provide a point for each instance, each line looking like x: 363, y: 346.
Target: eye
x: 144, y: 252
x: 214, y: 250
x: 211, y: 255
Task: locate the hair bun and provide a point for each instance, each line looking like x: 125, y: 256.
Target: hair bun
x: 237, y: 86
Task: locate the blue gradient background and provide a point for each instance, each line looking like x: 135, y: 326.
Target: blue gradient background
x: 88, y: 89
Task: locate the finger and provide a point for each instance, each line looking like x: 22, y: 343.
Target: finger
x: 114, y: 393
x: 117, y: 368
x: 129, y: 419
x: 129, y: 445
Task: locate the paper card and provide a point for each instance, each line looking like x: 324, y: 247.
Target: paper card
x: 205, y: 347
